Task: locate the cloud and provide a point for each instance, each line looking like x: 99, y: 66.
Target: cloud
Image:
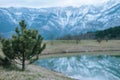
x: 83, y: 2
x: 49, y: 3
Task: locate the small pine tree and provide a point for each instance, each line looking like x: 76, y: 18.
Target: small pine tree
x: 26, y: 44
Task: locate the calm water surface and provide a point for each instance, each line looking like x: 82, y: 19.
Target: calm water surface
x: 85, y: 67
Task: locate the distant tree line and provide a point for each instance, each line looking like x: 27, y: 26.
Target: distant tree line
x: 110, y: 33
x: 88, y: 35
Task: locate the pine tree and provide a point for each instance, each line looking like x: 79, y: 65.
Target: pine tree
x: 26, y: 44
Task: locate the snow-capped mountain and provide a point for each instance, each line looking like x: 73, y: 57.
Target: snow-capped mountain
x: 58, y: 21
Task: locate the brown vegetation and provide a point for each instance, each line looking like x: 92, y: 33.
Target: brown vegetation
x: 70, y: 46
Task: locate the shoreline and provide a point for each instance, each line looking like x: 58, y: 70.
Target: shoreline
x: 87, y: 51
x: 61, y: 49
x: 59, y: 54
x: 64, y: 46
x: 32, y: 72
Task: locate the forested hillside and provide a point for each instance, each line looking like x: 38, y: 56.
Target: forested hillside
x: 110, y: 33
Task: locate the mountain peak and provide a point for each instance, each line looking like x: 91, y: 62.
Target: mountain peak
x: 59, y: 21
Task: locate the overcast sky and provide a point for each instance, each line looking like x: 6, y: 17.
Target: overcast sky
x: 49, y: 3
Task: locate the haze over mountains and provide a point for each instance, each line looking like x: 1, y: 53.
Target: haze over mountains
x: 59, y: 21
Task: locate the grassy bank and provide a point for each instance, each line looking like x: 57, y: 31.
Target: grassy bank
x: 59, y: 48
x: 32, y: 72
x: 70, y: 46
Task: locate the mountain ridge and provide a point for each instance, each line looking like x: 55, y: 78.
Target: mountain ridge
x: 56, y: 22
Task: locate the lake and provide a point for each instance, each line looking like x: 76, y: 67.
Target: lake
x: 85, y: 67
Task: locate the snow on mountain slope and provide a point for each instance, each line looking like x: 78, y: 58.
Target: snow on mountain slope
x: 55, y: 22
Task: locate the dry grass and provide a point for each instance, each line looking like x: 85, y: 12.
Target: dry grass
x: 1, y: 53
x: 32, y: 72
x: 82, y: 46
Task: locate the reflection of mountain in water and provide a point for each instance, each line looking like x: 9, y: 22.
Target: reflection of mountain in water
x: 85, y: 67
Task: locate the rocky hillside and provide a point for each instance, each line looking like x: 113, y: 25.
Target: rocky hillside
x: 59, y: 21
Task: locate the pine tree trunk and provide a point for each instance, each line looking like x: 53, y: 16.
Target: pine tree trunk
x: 23, y: 62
